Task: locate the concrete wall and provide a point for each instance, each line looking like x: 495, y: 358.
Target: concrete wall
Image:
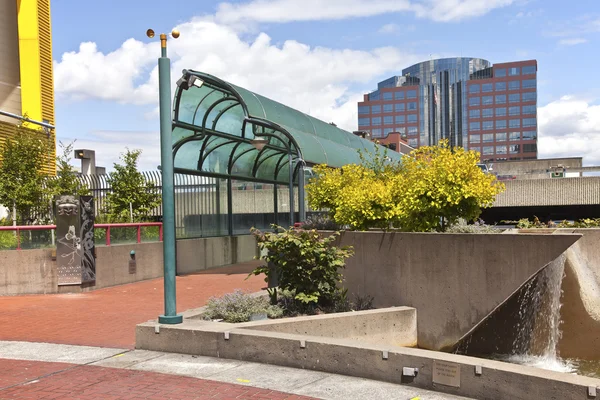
x: 395, y: 326
x: 534, y: 169
x: 550, y: 192
x: 454, y: 280
x: 34, y: 271
x: 498, y: 380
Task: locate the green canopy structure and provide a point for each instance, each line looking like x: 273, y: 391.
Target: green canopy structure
x: 223, y: 131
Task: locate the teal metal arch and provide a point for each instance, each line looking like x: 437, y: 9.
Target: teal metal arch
x: 216, y: 126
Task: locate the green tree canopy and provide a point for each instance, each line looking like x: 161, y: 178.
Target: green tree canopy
x: 66, y: 181
x: 130, y: 189
x: 22, y: 182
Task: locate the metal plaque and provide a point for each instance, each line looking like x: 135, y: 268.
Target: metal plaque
x: 446, y: 373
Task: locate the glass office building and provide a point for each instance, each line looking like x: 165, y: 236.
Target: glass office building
x: 469, y: 101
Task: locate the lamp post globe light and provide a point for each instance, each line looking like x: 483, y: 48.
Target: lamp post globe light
x: 168, y: 201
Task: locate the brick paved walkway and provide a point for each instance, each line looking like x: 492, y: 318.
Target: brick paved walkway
x: 43, y: 380
x: 107, y: 317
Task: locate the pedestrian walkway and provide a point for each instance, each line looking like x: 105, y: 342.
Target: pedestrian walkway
x: 107, y: 317
x: 51, y: 371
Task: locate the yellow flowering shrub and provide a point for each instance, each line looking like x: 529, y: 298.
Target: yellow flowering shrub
x: 430, y: 190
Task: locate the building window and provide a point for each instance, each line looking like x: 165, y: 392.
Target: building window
x: 514, y: 149
x: 529, y: 135
x: 474, y: 101
x: 529, y: 109
x: 514, y: 98
x: 376, y: 121
x: 400, y: 119
x: 411, y: 94
x: 388, y: 120
x: 474, y: 126
x: 413, y: 142
x: 514, y: 123
x: 374, y: 96
x: 514, y: 85
x: 487, y: 113
x: 411, y: 106
x: 376, y: 132
x: 499, y: 72
x: 529, y: 69
x: 388, y: 108
x: 488, y: 137
x: 364, y: 109
x: 413, y: 130
x: 487, y: 87
x: 399, y: 107
x: 387, y: 131
x: 375, y: 109
x: 487, y: 125
x: 474, y: 88
x: 500, y: 86
x: 387, y: 95
x: 364, y: 121
x: 501, y: 124
x: 500, y: 98
x: 501, y: 137
x: 515, y: 110
x: 514, y: 136
x: 399, y: 95
x: 529, y: 83
x: 475, y: 138
x: 487, y: 100
x: 529, y: 96
x: 487, y: 150
x: 501, y: 112
x: 501, y: 149
x: 529, y: 148
x: 475, y: 113
x: 514, y: 71
x: 529, y: 122
x: 411, y: 117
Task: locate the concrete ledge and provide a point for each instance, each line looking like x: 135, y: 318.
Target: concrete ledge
x: 497, y: 380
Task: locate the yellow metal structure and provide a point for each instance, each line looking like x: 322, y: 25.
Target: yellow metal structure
x: 34, y: 62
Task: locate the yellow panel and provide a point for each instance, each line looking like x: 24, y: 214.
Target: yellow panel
x: 35, y: 58
x: 8, y: 131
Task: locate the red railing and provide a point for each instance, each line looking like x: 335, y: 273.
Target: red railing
x: 106, y: 227
x: 137, y: 225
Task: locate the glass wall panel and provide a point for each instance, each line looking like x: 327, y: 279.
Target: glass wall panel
x: 501, y: 137
x: 528, y: 70
x: 200, y: 206
x: 399, y: 95
x: 398, y: 107
x: 364, y: 109
x: 387, y: 95
x: 376, y: 109
x: 388, y: 108
x: 400, y: 119
x: 487, y: 113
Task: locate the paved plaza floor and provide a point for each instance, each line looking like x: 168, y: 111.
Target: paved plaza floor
x: 80, y: 346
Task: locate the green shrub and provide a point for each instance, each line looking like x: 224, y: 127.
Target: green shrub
x: 8, y: 240
x: 239, y: 307
x: 304, y: 262
x: 320, y: 222
x: 477, y: 227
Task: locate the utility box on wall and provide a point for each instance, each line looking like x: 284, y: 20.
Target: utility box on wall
x: 75, y: 248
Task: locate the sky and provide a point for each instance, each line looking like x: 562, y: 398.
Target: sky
x: 319, y: 56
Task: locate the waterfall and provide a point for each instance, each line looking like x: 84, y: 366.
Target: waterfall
x: 539, y: 320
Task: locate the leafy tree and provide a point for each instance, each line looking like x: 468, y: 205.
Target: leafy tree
x: 429, y: 190
x: 66, y: 181
x: 440, y: 184
x: 22, y: 179
x: 130, y: 188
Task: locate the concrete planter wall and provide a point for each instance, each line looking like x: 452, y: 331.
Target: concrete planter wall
x: 453, y: 280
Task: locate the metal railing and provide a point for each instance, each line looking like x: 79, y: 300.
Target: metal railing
x: 106, y: 227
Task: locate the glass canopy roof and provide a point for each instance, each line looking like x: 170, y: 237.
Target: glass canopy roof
x: 215, y: 123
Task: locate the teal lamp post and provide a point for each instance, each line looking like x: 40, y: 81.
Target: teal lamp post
x: 168, y: 198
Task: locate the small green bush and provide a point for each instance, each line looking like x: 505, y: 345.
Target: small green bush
x: 477, y: 227
x: 321, y: 222
x: 239, y: 307
x: 305, y: 263
x: 8, y: 240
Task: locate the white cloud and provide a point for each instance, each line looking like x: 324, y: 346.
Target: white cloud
x: 389, y: 29
x: 282, y: 11
x: 572, y: 42
x: 570, y: 127
x: 312, y: 79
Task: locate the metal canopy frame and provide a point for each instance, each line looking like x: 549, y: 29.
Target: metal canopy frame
x: 216, y: 126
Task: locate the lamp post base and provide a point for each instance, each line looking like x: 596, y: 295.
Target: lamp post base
x: 170, y: 319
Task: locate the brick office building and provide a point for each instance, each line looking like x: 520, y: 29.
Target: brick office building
x: 469, y: 101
